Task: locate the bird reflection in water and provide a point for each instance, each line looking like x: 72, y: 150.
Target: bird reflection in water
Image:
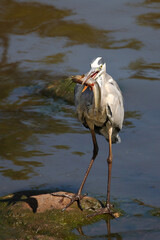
x: 108, y: 236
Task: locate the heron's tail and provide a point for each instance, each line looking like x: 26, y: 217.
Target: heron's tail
x: 116, y: 139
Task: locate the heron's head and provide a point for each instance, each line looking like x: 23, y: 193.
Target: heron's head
x: 97, y: 68
x: 97, y: 63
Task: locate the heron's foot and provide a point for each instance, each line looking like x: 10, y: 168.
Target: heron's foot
x: 109, y: 206
x: 74, y: 198
x: 104, y: 210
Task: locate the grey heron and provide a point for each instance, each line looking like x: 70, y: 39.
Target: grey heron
x: 99, y: 106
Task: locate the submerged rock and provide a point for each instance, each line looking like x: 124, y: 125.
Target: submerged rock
x: 60, y: 88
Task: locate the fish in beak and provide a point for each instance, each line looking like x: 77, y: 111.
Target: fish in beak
x: 97, y: 67
x: 92, y: 74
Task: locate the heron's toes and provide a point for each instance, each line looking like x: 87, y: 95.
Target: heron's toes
x: 75, y: 198
x: 101, y: 211
x: 109, y: 206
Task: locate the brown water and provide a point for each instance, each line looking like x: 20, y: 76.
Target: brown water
x: 43, y: 146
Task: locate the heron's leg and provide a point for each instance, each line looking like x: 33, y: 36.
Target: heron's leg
x: 95, y: 152
x: 109, y: 160
x: 77, y: 197
x: 107, y: 208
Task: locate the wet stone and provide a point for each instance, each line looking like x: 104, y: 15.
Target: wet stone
x: 43, y: 202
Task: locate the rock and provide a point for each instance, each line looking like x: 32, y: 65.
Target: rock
x: 43, y: 202
x: 62, y: 88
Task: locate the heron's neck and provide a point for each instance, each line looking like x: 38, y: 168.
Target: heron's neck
x: 97, y: 96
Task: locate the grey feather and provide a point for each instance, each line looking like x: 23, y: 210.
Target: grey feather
x: 110, y: 110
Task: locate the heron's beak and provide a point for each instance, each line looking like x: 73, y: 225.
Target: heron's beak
x: 84, y: 89
x: 91, y: 74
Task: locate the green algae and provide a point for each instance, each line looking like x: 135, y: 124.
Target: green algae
x: 78, y: 153
x: 61, y: 88
x: 154, y: 211
x: 65, y: 147
x: 19, y: 223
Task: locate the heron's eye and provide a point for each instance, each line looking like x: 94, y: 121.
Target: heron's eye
x: 101, y: 66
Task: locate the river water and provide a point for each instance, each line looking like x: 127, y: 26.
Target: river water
x: 42, y: 144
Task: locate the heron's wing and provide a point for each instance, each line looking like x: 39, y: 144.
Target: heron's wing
x: 114, y: 103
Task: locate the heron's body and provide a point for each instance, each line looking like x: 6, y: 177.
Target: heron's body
x: 99, y: 106
x: 110, y: 111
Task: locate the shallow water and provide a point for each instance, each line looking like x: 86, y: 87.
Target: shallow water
x: 43, y: 146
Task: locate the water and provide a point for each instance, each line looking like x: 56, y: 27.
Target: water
x: 43, y: 146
